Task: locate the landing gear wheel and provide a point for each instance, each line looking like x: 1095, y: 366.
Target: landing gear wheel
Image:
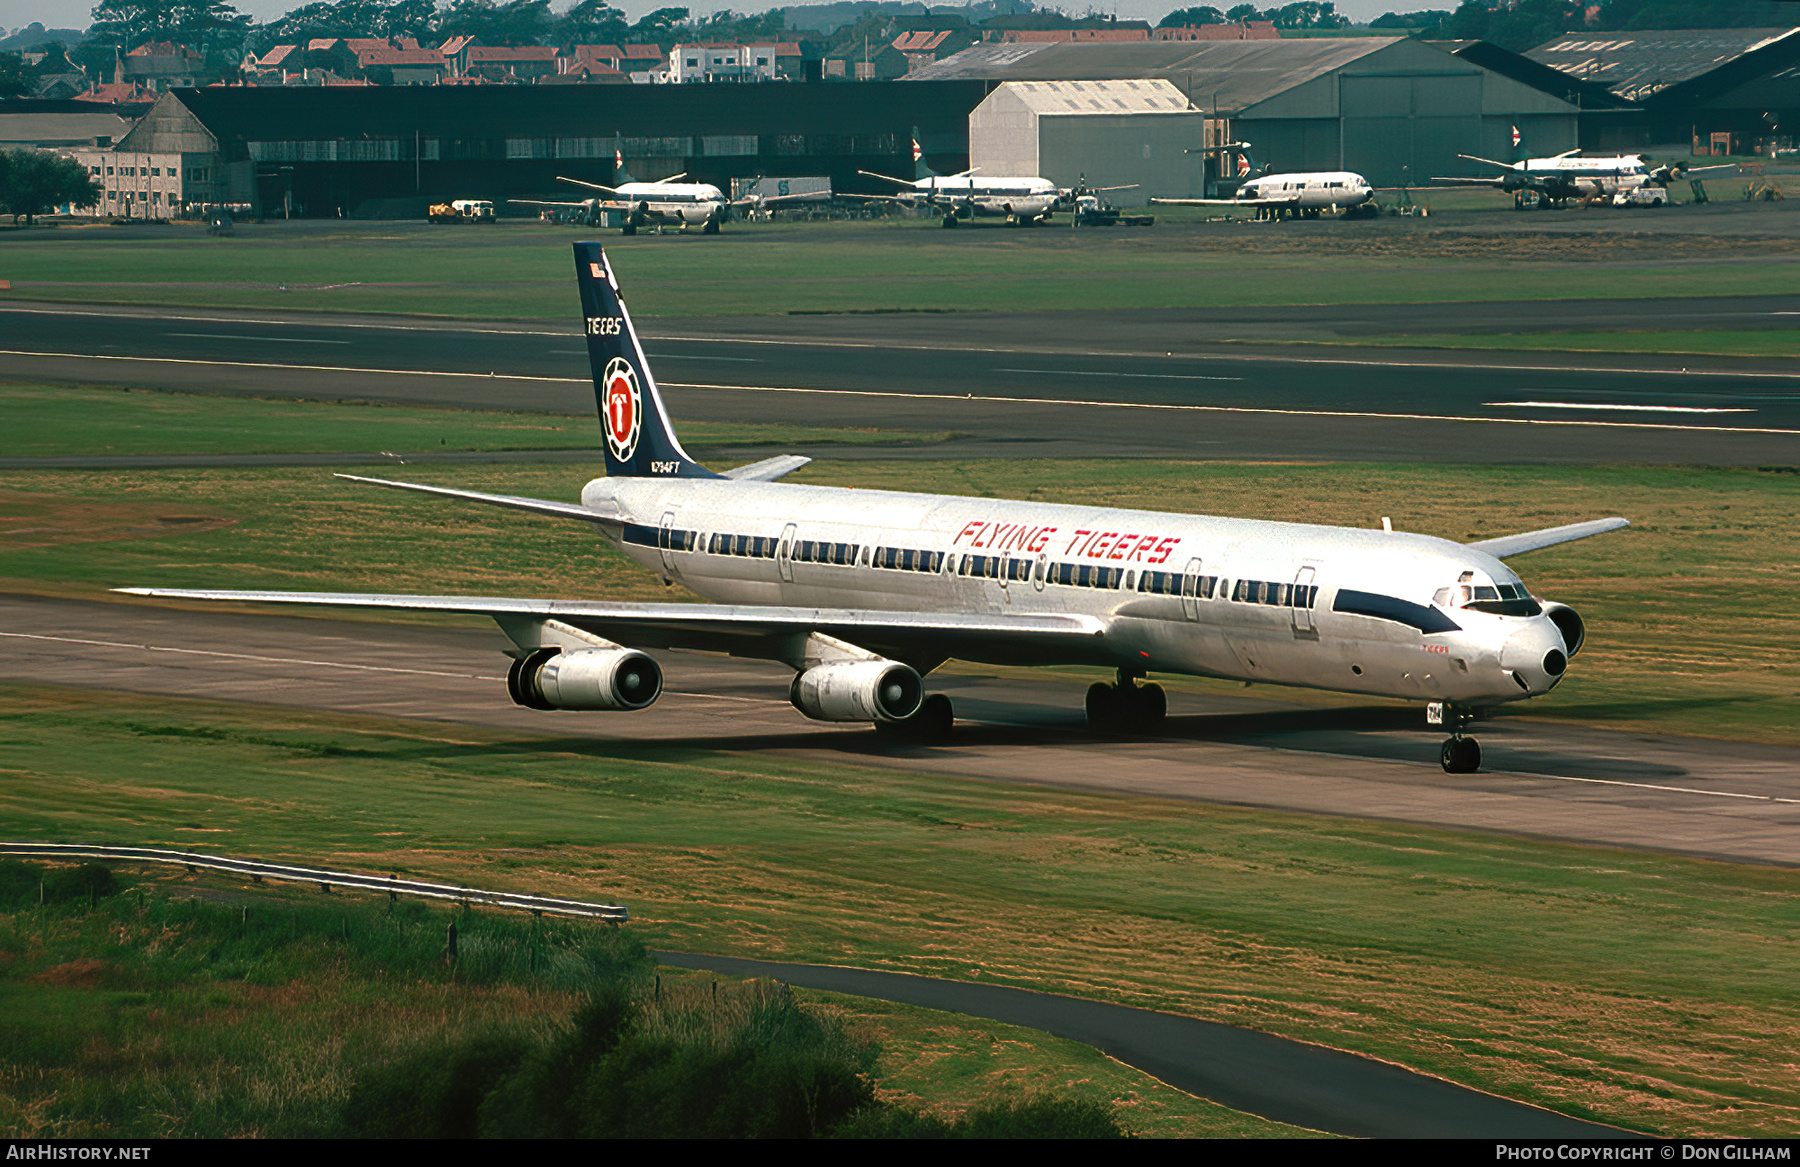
x: 950, y: 219
x: 1103, y: 707
x: 1460, y: 755
x: 628, y: 229
x: 711, y: 227
x: 1149, y: 707
x: 931, y: 723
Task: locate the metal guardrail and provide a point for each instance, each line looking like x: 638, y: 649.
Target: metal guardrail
x: 392, y: 885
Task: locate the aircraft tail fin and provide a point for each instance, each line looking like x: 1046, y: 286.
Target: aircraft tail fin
x: 621, y: 176
x: 639, y: 441
x: 920, y: 170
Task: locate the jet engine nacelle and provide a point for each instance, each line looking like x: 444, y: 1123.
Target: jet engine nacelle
x: 863, y: 690
x: 585, y: 678
x: 1568, y: 623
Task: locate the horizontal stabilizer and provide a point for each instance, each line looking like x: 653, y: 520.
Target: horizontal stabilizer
x: 769, y: 469
x: 1507, y: 545
x: 541, y: 506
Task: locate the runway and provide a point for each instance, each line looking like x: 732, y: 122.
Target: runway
x: 1724, y: 800
x: 1101, y: 384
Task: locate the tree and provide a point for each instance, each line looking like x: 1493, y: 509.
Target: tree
x: 15, y: 78
x: 126, y: 24
x: 214, y: 27
x: 414, y: 18
x: 591, y: 22
x: 1191, y: 18
x: 1425, y: 20
x: 33, y: 181
x: 518, y: 22
x: 658, y: 27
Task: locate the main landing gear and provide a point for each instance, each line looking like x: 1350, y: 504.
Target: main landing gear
x: 1133, y: 705
x: 1459, y: 754
x: 931, y: 723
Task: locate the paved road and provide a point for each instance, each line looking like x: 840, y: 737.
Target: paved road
x: 1719, y: 799
x: 1289, y: 1081
x: 1111, y: 384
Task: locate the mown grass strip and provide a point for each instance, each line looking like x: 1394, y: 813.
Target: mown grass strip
x: 521, y: 270
x: 1645, y: 990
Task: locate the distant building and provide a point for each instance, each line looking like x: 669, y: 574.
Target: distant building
x: 1723, y: 90
x: 1392, y: 109
x: 161, y: 65
x: 692, y: 63
x: 1130, y: 133
x: 1243, y: 30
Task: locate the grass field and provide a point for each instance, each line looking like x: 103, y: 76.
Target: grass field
x: 192, y: 1007
x: 520, y: 269
x: 46, y: 420
x: 1646, y: 990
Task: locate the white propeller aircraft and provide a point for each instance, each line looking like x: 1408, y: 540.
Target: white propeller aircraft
x: 966, y: 195
x: 864, y: 592
x: 666, y: 202
x: 1308, y: 193
x: 1570, y: 175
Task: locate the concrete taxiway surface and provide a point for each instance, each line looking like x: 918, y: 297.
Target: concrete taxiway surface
x: 1100, y: 384
x: 1720, y: 799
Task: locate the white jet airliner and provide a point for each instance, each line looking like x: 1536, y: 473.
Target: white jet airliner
x: 863, y: 592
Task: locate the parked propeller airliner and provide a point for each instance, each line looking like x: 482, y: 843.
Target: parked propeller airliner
x: 863, y: 592
x: 1306, y: 193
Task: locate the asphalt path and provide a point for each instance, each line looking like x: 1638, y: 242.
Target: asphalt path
x: 1102, y: 384
x: 1289, y: 1081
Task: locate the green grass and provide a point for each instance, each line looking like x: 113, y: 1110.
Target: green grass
x: 1647, y: 990
x: 1691, y: 627
x: 1769, y: 342
x: 50, y: 420
x: 522, y: 269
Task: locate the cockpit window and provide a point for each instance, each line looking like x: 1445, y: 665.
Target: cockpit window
x: 1500, y: 599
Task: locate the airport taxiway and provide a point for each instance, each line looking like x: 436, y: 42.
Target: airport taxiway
x: 1098, y: 384
x: 1725, y: 800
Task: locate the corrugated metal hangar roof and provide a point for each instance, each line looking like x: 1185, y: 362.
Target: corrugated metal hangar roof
x: 1638, y: 64
x: 1145, y: 95
x: 1241, y: 73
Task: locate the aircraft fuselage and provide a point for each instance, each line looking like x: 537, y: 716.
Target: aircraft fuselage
x: 1361, y: 611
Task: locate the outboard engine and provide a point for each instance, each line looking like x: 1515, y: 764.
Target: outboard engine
x: 1568, y: 623
x: 585, y: 678
x: 863, y: 690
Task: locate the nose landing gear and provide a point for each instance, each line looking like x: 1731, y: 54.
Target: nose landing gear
x: 1459, y: 754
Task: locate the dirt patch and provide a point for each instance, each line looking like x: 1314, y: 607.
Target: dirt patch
x: 73, y: 974
x: 46, y: 520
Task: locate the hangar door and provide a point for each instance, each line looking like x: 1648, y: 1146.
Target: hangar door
x: 1407, y: 127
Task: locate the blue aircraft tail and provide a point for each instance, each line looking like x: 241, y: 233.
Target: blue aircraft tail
x: 634, y: 425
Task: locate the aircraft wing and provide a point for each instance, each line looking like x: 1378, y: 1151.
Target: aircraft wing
x: 767, y: 633
x: 541, y: 506
x: 544, y: 203
x: 611, y: 190
x: 1507, y: 545
x: 1278, y: 201
x: 769, y: 469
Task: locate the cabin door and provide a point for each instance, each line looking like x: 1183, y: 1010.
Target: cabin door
x: 1301, y: 604
x: 1190, y: 587
x: 662, y: 541
x: 784, y: 552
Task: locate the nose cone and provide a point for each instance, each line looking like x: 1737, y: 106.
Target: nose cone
x: 1536, y: 656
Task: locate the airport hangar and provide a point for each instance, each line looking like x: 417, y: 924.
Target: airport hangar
x: 388, y: 152
x: 1393, y: 109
